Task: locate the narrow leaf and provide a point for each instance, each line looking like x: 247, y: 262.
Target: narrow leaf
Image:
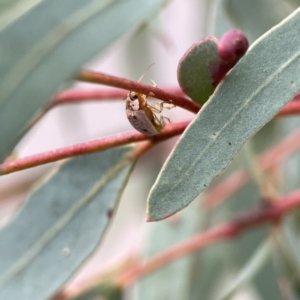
x: 253, y: 266
x: 262, y: 82
x: 194, y: 70
x: 287, y: 258
x: 214, y: 263
x: 10, y: 10
x: 255, y: 17
x: 221, y: 22
x: 103, y: 291
x: 296, y: 3
x: 172, y: 280
x: 48, y: 45
x: 61, y: 224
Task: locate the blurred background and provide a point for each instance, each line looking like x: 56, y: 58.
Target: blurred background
x: 163, y: 41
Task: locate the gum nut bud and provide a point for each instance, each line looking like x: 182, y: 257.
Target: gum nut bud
x: 232, y: 46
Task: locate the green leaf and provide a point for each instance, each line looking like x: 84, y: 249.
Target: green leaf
x: 253, y: 266
x: 286, y: 255
x: 215, y: 265
x: 61, y: 224
x: 295, y: 3
x: 206, y: 270
x: 222, y: 22
x: 172, y: 280
x: 10, y: 10
x: 103, y: 291
x: 194, y: 72
x: 215, y: 262
x: 48, y: 45
x: 255, y: 17
x: 261, y: 83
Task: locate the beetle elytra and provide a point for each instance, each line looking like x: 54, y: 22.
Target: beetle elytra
x: 141, y: 115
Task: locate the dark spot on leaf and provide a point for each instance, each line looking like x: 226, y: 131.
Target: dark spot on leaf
x: 205, y: 185
x: 145, y: 130
x: 292, y: 81
x: 229, y: 143
x: 109, y: 213
x: 214, y: 134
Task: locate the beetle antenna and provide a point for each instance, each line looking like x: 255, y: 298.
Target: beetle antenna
x: 145, y: 71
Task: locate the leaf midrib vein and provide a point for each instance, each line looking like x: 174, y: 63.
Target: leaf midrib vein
x: 237, y: 112
x: 58, y: 226
x: 46, y: 45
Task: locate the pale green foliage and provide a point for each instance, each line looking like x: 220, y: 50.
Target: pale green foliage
x: 43, y: 44
x: 247, y: 98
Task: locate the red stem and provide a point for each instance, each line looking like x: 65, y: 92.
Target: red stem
x: 88, y: 147
x: 130, y: 85
x: 79, y: 95
x: 229, y: 229
x: 83, y: 95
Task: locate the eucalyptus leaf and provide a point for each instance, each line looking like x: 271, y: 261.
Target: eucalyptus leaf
x: 61, y: 224
x: 261, y: 83
x: 255, y: 17
x: 213, y: 263
x: 195, y: 75
x: 295, y: 3
x: 10, y: 10
x: 48, y: 44
x: 286, y: 255
x: 221, y: 22
x: 172, y: 280
x: 103, y: 291
x: 253, y: 266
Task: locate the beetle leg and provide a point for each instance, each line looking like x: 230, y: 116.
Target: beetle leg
x: 168, y: 105
x: 162, y: 121
x: 155, y: 109
x: 161, y: 105
x: 153, y: 83
x: 163, y: 118
x: 157, y: 121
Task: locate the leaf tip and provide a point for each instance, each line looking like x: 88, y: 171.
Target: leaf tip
x: 148, y: 218
x: 157, y: 216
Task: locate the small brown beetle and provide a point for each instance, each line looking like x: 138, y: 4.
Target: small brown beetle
x: 142, y: 116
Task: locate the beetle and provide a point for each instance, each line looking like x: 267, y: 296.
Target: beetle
x: 142, y: 116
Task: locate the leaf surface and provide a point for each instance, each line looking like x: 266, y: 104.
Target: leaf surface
x: 48, y: 45
x: 103, y: 291
x: 173, y: 279
x: 194, y: 70
x: 221, y: 22
x: 262, y: 82
x: 10, y: 10
x: 255, y: 17
x: 61, y: 224
x: 253, y: 266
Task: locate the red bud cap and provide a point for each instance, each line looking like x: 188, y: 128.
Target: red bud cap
x: 232, y: 46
